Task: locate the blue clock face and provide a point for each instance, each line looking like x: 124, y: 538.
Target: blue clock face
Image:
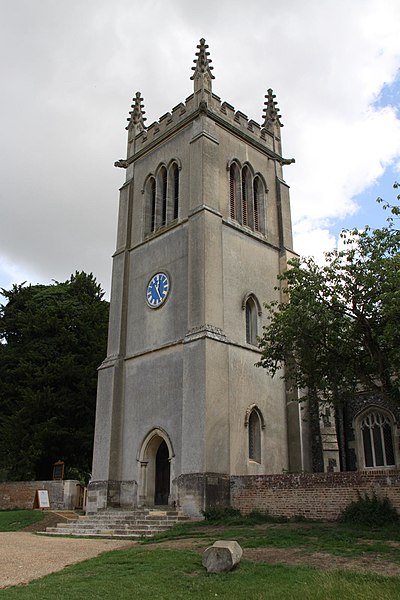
x: 157, y: 290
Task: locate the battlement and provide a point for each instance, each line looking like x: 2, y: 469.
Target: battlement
x: 183, y: 113
x: 204, y: 102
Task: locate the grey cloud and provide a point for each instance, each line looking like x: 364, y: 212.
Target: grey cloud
x: 71, y: 69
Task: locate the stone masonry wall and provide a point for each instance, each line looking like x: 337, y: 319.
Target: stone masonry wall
x: 21, y: 494
x: 312, y: 495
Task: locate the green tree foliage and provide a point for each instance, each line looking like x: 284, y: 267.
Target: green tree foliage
x: 340, y: 330
x: 53, y: 339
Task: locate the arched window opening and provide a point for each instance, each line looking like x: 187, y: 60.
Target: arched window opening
x: 153, y: 204
x: 377, y: 438
x: 233, y: 190
x: 254, y: 429
x: 150, y: 206
x: 161, y: 198
x: 251, y: 322
x: 163, y: 195
x: 245, y: 196
x: 175, y: 197
x: 257, y: 202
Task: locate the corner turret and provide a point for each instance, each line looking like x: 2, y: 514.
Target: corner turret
x: 272, y: 121
x: 135, y: 122
x: 271, y: 116
x: 202, y: 75
x: 137, y: 118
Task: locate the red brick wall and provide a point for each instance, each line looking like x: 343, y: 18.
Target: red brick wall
x: 21, y: 494
x: 312, y: 495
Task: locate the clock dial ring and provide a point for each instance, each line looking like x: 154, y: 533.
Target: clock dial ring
x: 157, y: 290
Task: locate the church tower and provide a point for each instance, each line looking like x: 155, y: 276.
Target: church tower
x: 204, y: 229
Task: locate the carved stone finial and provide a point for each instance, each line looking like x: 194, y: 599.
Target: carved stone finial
x: 137, y: 118
x: 202, y: 75
x: 271, y: 114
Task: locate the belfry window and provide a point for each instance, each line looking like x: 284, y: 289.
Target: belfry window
x: 377, y: 439
x: 175, y: 190
x: 163, y: 194
x: 233, y: 190
x: 246, y: 197
x: 257, y: 199
x: 153, y: 203
x: 150, y: 205
x: 162, y: 198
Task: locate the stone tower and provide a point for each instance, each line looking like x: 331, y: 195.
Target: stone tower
x: 204, y: 229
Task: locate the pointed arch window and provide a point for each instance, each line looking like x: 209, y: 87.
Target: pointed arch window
x: 150, y: 205
x: 254, y: 436
x: 174, y: 170
x: 162, y: 197
x: 251, y: 321
x: 246, y: 197
x: 256, y: 202
x: 233, y: 190
x: 377, y: 439
x: 153, y: 203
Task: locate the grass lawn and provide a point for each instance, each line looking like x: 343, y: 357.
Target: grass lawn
x: 14, y: 520
x: 142, y: 573
x: 152, y: 571
x: 337, y: 539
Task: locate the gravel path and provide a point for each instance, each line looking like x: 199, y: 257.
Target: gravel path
x: 25, y: 556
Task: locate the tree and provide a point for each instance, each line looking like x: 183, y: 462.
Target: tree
x: 53, y: 339
x: 336, y: 330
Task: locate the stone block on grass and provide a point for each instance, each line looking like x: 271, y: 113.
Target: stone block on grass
x: 222, y: 556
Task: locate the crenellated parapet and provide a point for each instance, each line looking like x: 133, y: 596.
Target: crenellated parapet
x: 265, y: 137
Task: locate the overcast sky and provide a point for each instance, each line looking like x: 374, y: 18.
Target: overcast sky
x: 69, y: 71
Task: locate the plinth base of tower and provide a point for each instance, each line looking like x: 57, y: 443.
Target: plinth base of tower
x: 200, y: 492
x: 193, y: 493
x: 111, y: 494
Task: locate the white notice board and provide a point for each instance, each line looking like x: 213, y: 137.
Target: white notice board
x: 43, y: 498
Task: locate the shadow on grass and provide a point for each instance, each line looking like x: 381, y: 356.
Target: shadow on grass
x: 258, y: 532
x: 145, y: 574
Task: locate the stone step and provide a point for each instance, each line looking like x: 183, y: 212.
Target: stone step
x: 151, y: 519
x: 119, y: 523
x: 138, y: 522
x: 153, y: 515
x: 108, y: 533
x: 80, y: 530
x: 131, y: 522
x: 67, y: 527
x: 70, y: 515
x: 139, y: 511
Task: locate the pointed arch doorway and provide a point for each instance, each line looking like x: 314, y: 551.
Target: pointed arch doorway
x: 163, y: 474
x: 155, y: 469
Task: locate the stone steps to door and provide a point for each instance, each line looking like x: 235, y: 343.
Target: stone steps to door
x: 118, y: 523
x: 111, y: 525
x: 139, y: 514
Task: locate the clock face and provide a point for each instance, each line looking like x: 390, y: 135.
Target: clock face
x: 157, y: 290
